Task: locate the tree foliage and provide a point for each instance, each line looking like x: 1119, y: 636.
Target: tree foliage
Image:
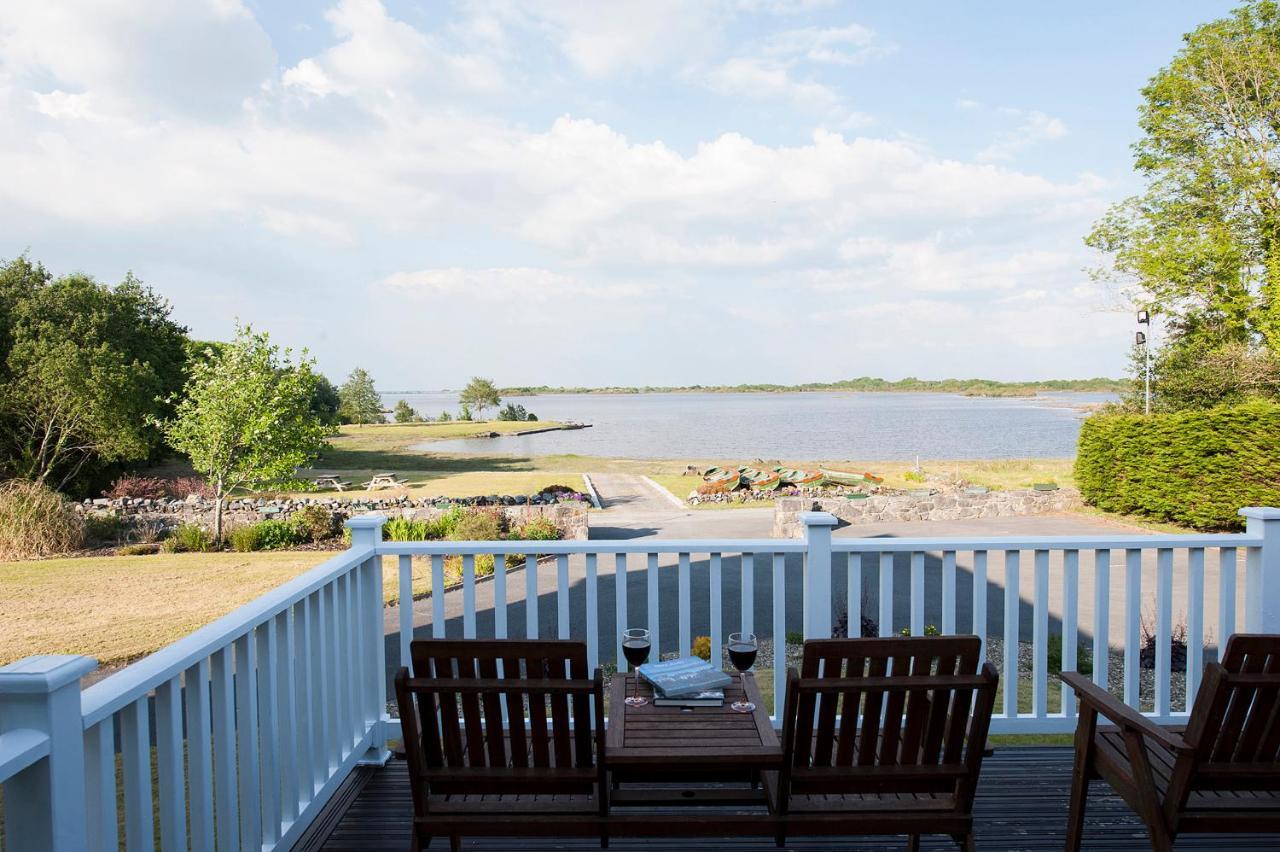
x: 359, y: 400
x: 1201, y: 245
x: 84, y: 372
x: 325, y: 401
x: 245, y: 419
x: 404, y: 413
x: 480, y: 394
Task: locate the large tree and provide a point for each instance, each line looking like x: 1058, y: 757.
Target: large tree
x: 358, y: 399
x: 480, y: 394
x: 1200, y: 246
x: 84, y: 372
x: 245, y: 419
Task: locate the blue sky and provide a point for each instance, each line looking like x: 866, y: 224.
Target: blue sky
x: 666, y: 192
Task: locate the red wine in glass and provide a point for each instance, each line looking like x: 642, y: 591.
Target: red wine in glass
x: 742, y: 653
x: 635, y: 647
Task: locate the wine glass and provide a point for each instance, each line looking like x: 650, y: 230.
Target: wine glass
x: 742, y: 653
x: 635, y: 647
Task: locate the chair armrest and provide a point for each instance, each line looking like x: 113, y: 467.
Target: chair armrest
x: 1121, y: 714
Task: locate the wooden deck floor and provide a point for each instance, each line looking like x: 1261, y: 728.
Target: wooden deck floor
x: 1021, y: 805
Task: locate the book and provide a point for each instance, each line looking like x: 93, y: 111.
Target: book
x: 709, y: 698
x: 683, y: 677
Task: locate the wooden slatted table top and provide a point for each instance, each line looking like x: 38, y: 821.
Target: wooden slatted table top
x: 697, y: 739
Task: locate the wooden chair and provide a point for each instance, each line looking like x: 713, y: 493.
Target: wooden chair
x: 909, y: 763
x: 540, y: 773
x: 1219, y: 774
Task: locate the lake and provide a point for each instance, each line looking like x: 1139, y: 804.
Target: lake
x: 814, y: 426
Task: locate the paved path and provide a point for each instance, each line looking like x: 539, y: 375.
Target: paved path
x: 633, y: 510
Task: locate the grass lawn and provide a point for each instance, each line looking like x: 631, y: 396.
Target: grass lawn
x: 120, y: 608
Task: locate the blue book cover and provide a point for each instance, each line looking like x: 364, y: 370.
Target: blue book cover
x: 685, y: 676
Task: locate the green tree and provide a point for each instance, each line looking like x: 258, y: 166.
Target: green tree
x: 360, y: 402
x: 1201, y: 245
x: 245, y: 419
x: 445, y: 417
x: 480, y: 394
x: 325, y: 400
x: 404, y: 412
x: 512, y: 411
x: 84, y: 370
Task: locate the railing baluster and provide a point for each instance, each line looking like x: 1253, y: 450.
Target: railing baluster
x: 269, y: 730
x: 135, y: 751
x: 437, y: 598
x: 748, y: 614
x: 619, y: 606
x: 500, y: 597
x: 917, y: 593
x: 1132, y: 624
x: 886, y: 594
x: 307, y: 729
x: 1012, y: 613
x: 335, y: 729
x: 290, y: 725
x: 980, y: 600
x: 853, y: 595
x: 651, y: 613
x: 321, y: 704
x: 593, y: 617
x: 100, y: 776
x: 1195, y: 623
x: 199, y: 757
x: 170, y: 782
x: 469, y: 596
x: 716, y: 610
x: 684, y: 600
x: 948, y: 592
x: 1040, y: 637
x: 779, y: 632
x: 1070, y: 623
x: 247, y: 727
x: 1226, y: 596
x: 405, y: 567
x: 224, y: 750
x: 562, y: 595
x: 1101, y: 617
x: 1164, y: 626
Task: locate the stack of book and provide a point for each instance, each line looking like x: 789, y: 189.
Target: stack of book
x: 686, y: 682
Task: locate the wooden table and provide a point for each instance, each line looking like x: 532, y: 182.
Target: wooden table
x: 330, y: 482
x: 383, y: 480
x: 691, y: 749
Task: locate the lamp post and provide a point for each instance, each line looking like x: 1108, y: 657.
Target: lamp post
x: 1144, y: 318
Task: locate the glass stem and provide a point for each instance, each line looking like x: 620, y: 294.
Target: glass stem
x: 745, y: 698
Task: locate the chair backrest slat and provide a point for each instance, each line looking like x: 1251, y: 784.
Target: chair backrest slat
x: 923, y: 721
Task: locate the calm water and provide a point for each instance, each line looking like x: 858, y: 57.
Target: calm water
x: 793, y: 425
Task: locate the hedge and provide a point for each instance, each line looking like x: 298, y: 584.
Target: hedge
x: 1196, y: 468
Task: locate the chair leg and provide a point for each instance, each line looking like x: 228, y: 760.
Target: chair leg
x: 455, y: 843
x: 1082, y: 768
x: 913, y: 843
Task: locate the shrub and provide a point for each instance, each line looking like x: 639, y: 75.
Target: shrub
x: 184, y: 486
x: 929, y: 630
x: 537, y: 529
x: 37, y: 521
x: 104, y: 528
x: 477, y: 525
x: 1195, y: 467
x: 277, y: 535
x: 1084, y: 657
x: 513, y: 411
x: 188, y: 538
x: 702, y: 647
x: 453, y: 567
x: 245, y: 539
x: 132, y: 485
x: 314, y: 523
x: 404, y: 529
x: 137, y: 549
x: 914, y: 476
x: 531, y: 417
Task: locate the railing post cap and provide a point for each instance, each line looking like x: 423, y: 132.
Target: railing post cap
x: 818, y: 519
x: 44, y: 673
x: 365, y: 522
x: 1261, y: 513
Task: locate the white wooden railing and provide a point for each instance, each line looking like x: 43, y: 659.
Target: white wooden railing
x: 249, y: 725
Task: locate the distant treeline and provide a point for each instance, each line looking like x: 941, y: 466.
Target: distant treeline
x: 972, y: 387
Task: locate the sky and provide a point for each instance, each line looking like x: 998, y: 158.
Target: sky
x: 666, y: 192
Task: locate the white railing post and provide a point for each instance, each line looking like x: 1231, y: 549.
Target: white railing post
x: 44, y: 805
x: 1262, y: 571
x: 817, y: 575
x: 366, y: 532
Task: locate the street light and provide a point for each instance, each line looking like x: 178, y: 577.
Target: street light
x: 1144, y: 318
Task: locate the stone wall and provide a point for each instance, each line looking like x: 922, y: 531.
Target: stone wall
x: 944, y: 506
x: 569, y: 515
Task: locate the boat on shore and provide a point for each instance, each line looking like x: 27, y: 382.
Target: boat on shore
x: 799, y: 477
x: 717, y: 480
x: 762, y: 480
x: 848, y: 477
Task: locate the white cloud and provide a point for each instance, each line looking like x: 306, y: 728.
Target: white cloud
x: 849, y: 45
x: 1033, y: 126
x: 759, y: 78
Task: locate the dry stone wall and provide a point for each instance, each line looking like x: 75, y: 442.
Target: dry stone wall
x: 934, y: 507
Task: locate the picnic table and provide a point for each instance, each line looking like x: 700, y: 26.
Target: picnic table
x: 383, y: 480
x: 332, y: 481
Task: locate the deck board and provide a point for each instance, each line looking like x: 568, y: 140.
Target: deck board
x: 1021, y: 805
